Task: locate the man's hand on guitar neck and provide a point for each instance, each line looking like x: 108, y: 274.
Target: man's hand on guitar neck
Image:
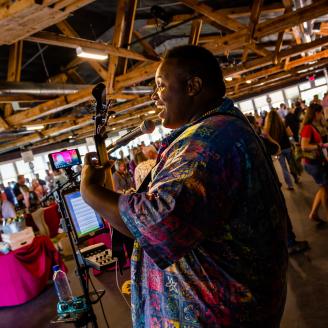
x: 101, y: 199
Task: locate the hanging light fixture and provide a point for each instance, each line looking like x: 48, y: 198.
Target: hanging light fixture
x: 91, y: 53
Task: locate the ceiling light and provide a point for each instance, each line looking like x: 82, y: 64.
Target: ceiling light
x: 34, y: 127
x: 152, y: 112
x: 248, y: 81
x: 228, y: 78
x: 113, y: 128
x: 91, y: 53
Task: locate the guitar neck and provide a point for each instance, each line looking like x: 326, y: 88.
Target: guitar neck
x: 103, y: 160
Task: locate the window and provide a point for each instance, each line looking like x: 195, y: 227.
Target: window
x: 40, y: 166
x: 8, y: 173
x: 260, y: 102
x: 292, y: 93
x: 305, y: 86
x: 246, y: 106
x: 24, y: 168
x: 320, y: 81
x: 308, y: 94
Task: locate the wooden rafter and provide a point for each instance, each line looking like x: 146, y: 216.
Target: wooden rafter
x: 19, y: 19
x: 68, y: 30
x: 238, y: 39
x: 70, y: 42
x: 254, y: 18
x: 215, y: 16
x: 116, y: 41
x: 146, y: 46
x: 196, y: 28
x: 264, y: 61
x: 128, y: 33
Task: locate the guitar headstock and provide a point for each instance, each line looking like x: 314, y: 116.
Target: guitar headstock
x: 102, y: 110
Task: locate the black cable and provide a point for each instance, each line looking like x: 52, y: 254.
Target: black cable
x: 99, y: 298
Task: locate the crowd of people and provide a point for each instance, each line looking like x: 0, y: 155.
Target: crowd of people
x: 300, y: 134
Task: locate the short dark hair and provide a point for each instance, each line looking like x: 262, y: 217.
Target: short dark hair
x: 199, y: 61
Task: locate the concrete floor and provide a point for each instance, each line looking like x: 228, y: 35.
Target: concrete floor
x: 307, y: 300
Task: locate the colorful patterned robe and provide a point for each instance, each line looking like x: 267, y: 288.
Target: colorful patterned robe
x: 210, y: 231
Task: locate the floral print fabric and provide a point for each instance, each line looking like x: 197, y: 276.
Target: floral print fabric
x: 210, y: 230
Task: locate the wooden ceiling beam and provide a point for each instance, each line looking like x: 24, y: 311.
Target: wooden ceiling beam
x: 238, y: 39
x: 127, y: 35
x: 254, y: 18
x: 260, y: 62
x: 291, y: 73
x: 196, y: 28
x: 116, y: 42
x: 290, y: 19
x: 20, y: 19
x: 275, y: 8
x: 71, y: 42
x: 307, y: 59
x: 280, y: 39
x: 215, y: 16
x: 68, y: 30
x: 146, y: 45
x: 254, y: 77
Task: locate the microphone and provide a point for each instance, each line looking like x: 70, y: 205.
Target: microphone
x: 147, y: 126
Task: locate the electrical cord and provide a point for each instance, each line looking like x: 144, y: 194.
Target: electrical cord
x: 99, y: 298
x: 118, y: 286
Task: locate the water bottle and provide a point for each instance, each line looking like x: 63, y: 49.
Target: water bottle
x: 63, y: 288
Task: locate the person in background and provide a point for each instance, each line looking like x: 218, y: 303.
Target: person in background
x: 293, y: 121
x: 41, y: 182
x: 9, y: 193
x: 7, y: 209
x: 311, y: 144
x: 282, y: 111
x: 50, y: 178
x: 21, y: 192
x: 210, y: 227
x: 325, y: 106
x: 122, y: 181
x: 273, y: 149
x: 315, y: 100
x: 59, y: 177
x: 145, y: 167
x: 276, y: 129
x: 38, y: 189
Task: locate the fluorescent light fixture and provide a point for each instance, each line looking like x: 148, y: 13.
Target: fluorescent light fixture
x: 152, y: 112
x: 228, y: 78
x: 91, y: 53
x: 34, y: 127
x: 248, y: 81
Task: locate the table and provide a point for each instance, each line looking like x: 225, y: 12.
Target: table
x: 24, y: 273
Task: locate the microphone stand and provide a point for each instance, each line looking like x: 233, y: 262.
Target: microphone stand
x: 83, y: 305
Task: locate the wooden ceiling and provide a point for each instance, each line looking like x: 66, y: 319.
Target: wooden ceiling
x: 261, y: 45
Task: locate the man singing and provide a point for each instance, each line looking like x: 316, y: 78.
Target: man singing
x: 210, y: 229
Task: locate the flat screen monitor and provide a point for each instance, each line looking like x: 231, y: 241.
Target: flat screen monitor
x: 86, y: 221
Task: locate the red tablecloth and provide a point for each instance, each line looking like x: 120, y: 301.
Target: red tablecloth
x: 25, y: 272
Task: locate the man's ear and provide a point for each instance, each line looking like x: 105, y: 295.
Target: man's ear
x: 194, y: 86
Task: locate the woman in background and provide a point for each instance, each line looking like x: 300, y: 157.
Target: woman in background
x: 276, y: 129
x: 311, y: 144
